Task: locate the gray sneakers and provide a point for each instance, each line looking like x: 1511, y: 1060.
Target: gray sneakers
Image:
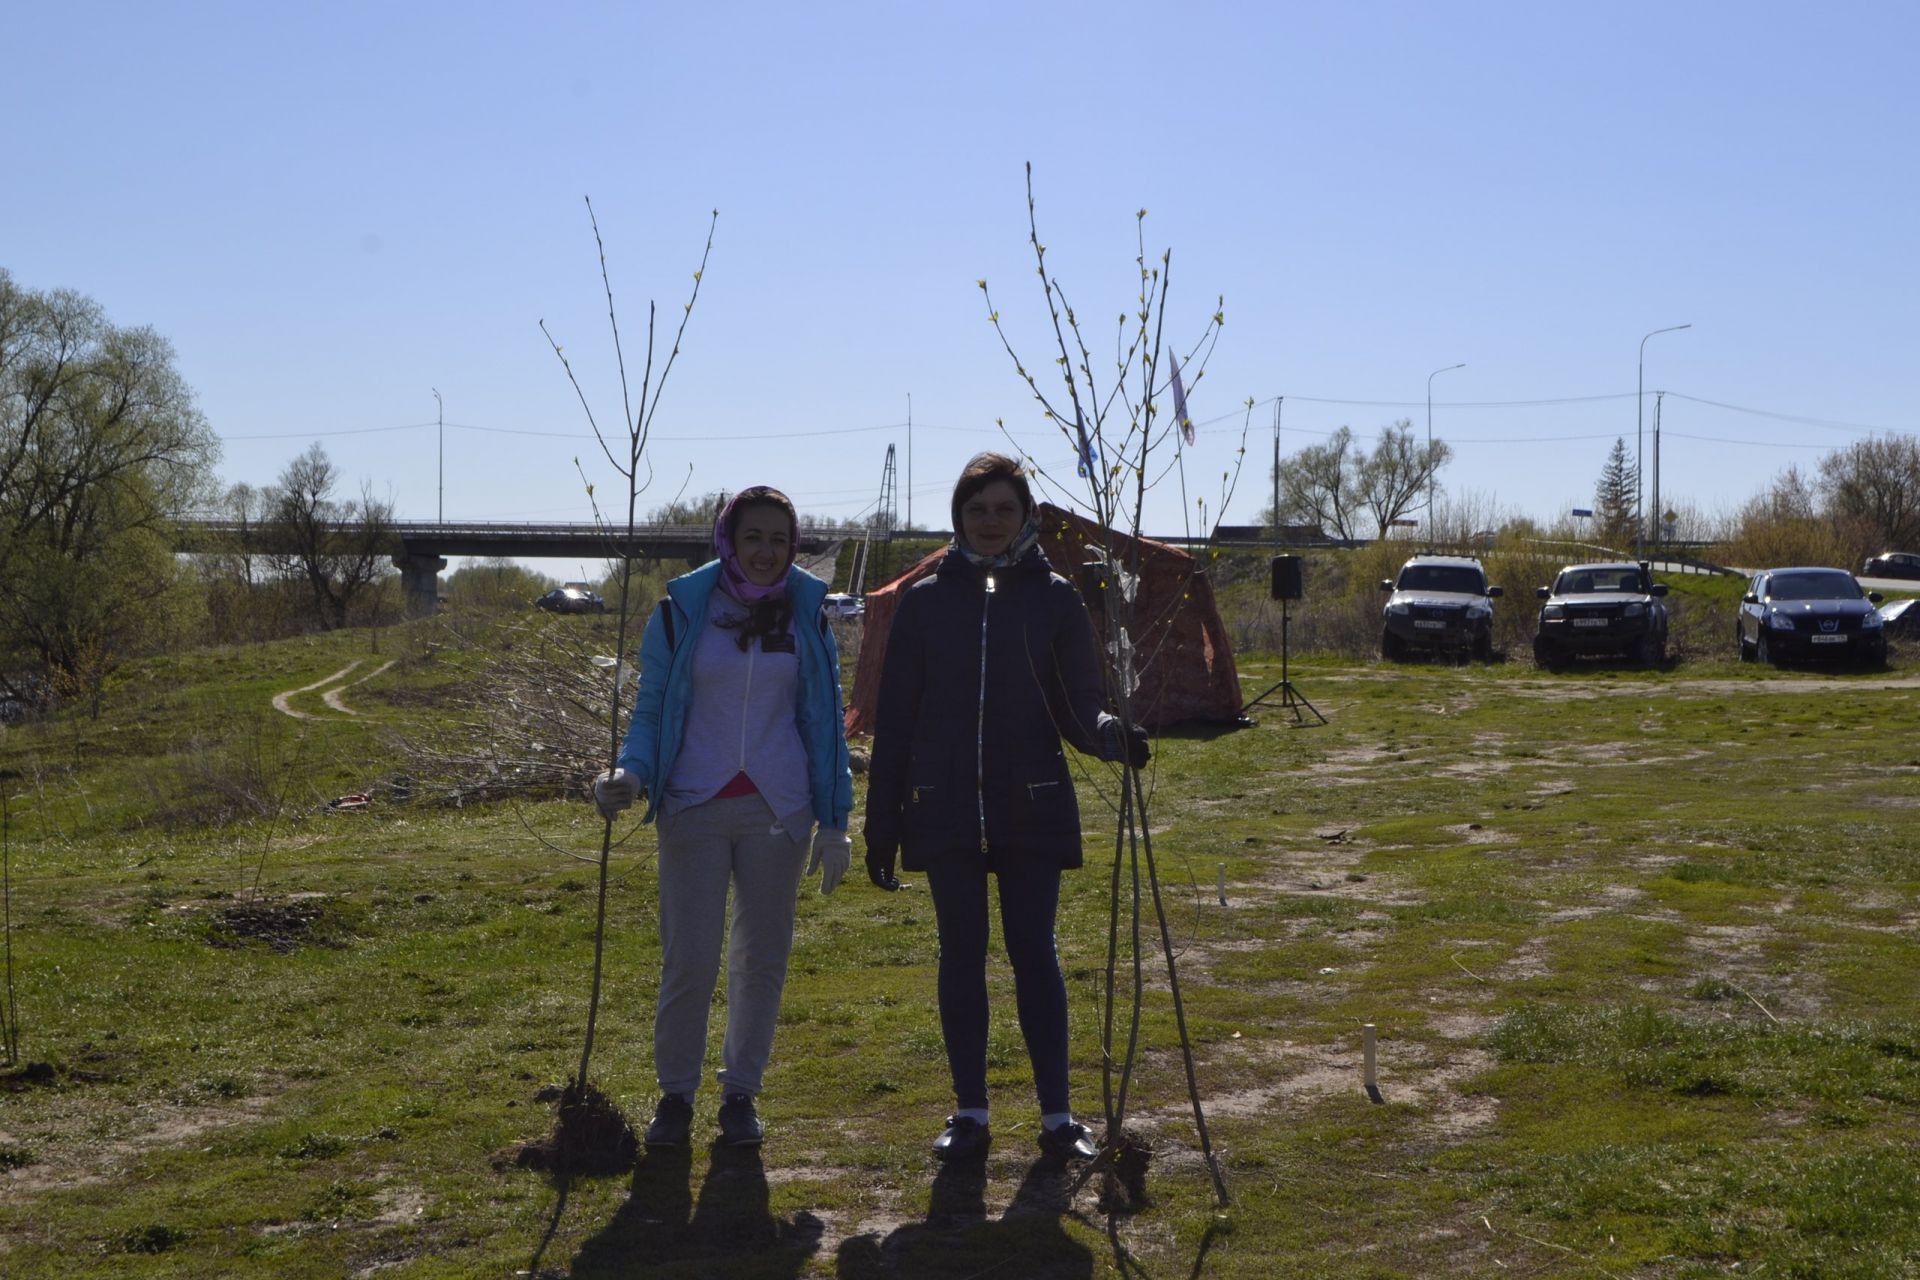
x: 672, y: 1119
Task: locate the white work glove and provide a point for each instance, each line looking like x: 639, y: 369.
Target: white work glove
x: 615, y: 792
x: 831, y: 852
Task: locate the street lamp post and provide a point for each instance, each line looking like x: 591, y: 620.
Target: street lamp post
x: 1431, y: 469
x: 1639, y: 442
x: 440, y: 420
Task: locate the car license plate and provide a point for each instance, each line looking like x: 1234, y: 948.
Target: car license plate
x: 1589, y: 622
x: 1429, y: 624
x: 1829, y: 639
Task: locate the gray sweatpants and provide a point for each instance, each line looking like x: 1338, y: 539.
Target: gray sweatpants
x: 703, y: 849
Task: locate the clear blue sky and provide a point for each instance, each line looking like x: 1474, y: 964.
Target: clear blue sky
x: 332, y: 210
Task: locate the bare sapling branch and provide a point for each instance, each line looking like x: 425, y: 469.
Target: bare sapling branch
x: 585, y: 1114
x: 10, y: 1011
x: 1115, y: 435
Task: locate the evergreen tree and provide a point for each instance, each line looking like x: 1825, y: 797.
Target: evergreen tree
x: 1615, y: 497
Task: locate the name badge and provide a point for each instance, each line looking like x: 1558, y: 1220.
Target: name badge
x: 781, y: 643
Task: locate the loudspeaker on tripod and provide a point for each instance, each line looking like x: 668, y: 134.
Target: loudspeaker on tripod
x: 1287, y: 584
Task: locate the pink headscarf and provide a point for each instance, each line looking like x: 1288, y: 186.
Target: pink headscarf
x: 732, y: 577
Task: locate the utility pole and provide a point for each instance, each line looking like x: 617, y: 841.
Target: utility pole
x: 440, y: 420
x: 1659, y: 523
x: 1278, y: 402
x: 909, y: 460
x: 1432, y: 543
x: 1639, y: 440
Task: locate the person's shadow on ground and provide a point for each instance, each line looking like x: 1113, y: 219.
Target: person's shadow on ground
x: 661, y: 1229
x: 958, y: 1239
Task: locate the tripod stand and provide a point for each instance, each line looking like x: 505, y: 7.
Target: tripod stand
x: 1290, y: 697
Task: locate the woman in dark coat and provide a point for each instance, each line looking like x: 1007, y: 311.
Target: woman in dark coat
x: 990, y: 663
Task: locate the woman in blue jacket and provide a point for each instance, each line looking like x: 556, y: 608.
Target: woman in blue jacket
x: 990, y: 663
x: 738, y: 743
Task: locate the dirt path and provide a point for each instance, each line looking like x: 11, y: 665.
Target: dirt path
x: 282, y: 702
x: 332, y: 696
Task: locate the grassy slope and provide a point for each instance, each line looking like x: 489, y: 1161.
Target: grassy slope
x: 1639, y: 947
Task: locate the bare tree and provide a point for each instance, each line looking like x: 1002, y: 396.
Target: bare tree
x: 337, y: 548
x: 1351, y: 492
x: 1784, y: 525
x: 1317, y: 486
x: 1872, y: 492
x: 1396, y: 476
x: 688, y: 511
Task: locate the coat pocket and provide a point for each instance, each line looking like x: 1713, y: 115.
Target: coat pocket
x: 1046, y: 807
x: 936, y: 809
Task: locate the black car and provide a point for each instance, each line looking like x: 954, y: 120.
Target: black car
x: 1613, y: 608
x: 1442, y: 603
x: 1892, y: 564
x: 1791, y: 614
x: 571, y: 599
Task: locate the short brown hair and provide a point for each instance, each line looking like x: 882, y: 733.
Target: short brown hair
x: 982, y: 470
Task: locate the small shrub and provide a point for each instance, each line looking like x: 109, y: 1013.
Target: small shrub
x: 154, y: 1238
x: 316, y: 1146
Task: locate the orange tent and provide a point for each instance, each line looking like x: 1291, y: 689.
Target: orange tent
x: 1184, y: 660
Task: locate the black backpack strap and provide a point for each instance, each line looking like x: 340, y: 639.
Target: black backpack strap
x: 665, y: 608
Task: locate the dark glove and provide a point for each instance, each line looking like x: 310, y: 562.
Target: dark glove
x: 1118, y: 744
x: 880, y: 867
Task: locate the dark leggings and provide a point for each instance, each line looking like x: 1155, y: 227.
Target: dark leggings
x: 1029, y: 896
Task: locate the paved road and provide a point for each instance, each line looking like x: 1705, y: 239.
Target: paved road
x: 1886, y: 586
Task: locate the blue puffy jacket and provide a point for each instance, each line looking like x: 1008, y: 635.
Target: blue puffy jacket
x: 666, y: 691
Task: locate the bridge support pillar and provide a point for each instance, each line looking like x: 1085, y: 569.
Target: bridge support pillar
x: 420, y: 581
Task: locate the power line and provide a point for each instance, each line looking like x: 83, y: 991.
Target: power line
x: 1238, y: 413
x: 1757, y: 444
x: 1782, y: 417
x: 344, y: 431
x: 1464, y: 404
x: 588, y: 435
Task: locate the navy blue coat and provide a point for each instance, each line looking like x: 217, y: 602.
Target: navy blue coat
x: 966, y: 764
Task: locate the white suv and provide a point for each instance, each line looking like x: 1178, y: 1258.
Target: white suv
x: 1442, y: 603
x: 839, y: 604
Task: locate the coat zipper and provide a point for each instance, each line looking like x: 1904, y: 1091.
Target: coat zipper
x: 980, y: 724
x: 746, y: 703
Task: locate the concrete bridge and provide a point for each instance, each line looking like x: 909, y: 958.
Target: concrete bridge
x: 420, y: 547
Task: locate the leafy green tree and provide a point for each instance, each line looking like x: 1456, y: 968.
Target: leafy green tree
x: 495, y: 583
x: 101, y: 448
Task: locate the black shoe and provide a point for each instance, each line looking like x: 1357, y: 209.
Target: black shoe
x: 963, y: 1139
x: 1069, y: 1141
x: 739, y: 1124
x: 672, y: 1119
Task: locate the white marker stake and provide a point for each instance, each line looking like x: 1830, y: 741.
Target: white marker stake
x: 1367, y: 1049
x: 1223, y: 884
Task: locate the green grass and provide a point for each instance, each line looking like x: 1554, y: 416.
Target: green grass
x: 1639, y: 948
